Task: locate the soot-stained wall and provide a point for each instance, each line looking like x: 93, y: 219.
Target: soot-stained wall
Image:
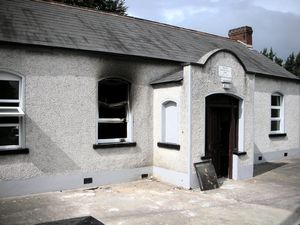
x: 61, y: 110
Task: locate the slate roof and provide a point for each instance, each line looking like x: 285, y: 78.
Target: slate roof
x: 50, y: 24
x: 172, y: 77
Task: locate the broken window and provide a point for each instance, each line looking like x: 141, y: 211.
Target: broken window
x: 277, y: 113
x: 113, y: 108
x: 11, y: 113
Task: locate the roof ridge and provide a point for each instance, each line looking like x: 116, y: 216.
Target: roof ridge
x: 133, y: 18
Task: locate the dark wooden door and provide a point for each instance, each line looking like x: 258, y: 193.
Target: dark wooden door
x: 221, y: 133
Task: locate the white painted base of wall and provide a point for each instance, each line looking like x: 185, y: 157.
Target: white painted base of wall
x: 194, y: 181
x: 171, y: 176
x: 72, y: 181
x: 276, y: 155
x: 69, y: 181
x: 239, y: 171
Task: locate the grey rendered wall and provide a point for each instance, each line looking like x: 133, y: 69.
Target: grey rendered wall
x: 205, y: 81
x: 169, y: 158
x: 61, y: 111
x: 273, y: 148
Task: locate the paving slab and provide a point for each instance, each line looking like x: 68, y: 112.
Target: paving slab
x: 271, y: 197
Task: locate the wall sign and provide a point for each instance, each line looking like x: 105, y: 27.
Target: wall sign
x: 225, y: 74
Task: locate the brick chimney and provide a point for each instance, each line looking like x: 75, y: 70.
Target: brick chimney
x: 243, y: 34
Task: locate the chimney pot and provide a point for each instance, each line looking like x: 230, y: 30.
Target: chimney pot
x: 243, y: 34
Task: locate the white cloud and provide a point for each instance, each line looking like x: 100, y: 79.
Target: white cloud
x: 184, y: 13
x: 287, y: 6
x: 173, y: 15
x: 275, y: 22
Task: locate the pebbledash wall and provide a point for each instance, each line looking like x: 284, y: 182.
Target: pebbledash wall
x: 61, y: 119
x: 171, y: 165
x: 206, y: 81
x: 268, y: 148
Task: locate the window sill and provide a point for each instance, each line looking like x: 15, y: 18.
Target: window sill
x: 239, y: 153
x: 277, y: 135
x: 206, y: 158
x: 114, y: 145
x: 168, y: 145
x: 14, y: 151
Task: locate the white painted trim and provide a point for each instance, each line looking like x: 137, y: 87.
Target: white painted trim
x: 163, y: 129
x: 189, y: 100
x: 9, y: 114
x: 170, y: 176
x: 241, y: 141
x: 281, y: 114
x: 11, y: 75
x: 69, y: 181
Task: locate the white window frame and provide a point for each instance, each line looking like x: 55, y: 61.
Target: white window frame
x: 116, y: 120
x: 20, y: 108
x: 281, y: 114
x: 163, y: 122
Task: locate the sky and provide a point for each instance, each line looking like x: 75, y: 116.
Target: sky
x: 275, y: 23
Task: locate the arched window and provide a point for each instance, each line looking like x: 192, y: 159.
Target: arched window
x: 11, y: 111
x: 113, y: 110
x: 277, y: 113
x: 169, y: 122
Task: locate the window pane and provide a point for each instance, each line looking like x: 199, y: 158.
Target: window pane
x: 275, y: 101
x: 6, y: 120
x: 112, y: 91
x: 275, y: 125
x: 112, y: 130
x: 9, y: 89
x: 9, y: 136
x: 275, y: 113
x: 13, y: 110
x: 9, y: 104
x: 112, y: 111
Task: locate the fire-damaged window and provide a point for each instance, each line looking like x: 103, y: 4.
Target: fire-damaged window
x: 114, y: 111
x: 11, y: 113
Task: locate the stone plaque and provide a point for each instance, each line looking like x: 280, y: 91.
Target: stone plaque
x: 225, y: 74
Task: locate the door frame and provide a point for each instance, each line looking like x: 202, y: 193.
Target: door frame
x: 232, y: 171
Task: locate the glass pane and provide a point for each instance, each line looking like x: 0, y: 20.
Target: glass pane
x: 112, y: 111
x: 275, y: 113
x: 9, y: 104
x: 9, y: 89
x: 275, y: 125
x: 13, y: 110
x: 113, y: 91
x: 9, y: 136
x: 112, y: 130
x: 275, y: 101
x: 6, y: 120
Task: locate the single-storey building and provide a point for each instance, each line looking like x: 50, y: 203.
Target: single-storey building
x: 90, y: 98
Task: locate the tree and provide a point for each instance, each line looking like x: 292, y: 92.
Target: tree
x: 272, y: 56
x: 114, y: 6
x: 297, y: 65
x: 290, y: 63
x: 279, y: 61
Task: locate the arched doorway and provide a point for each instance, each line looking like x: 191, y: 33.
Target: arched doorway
x: 221, y: 132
